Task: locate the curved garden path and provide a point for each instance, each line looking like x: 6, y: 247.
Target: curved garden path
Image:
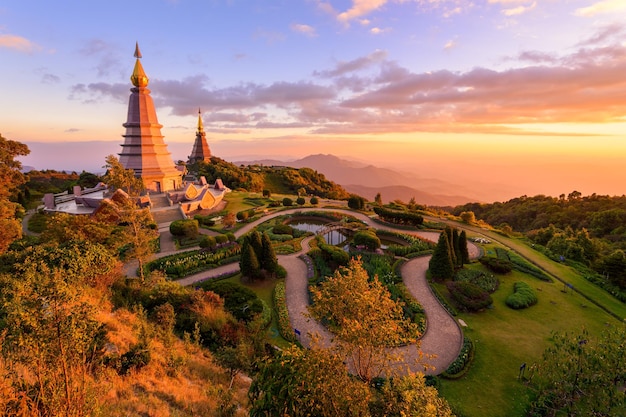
x: 443, y: 338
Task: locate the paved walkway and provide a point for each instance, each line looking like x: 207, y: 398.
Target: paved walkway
x: 440, y: 344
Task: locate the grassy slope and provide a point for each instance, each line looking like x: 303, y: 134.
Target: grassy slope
x: 506, y: 338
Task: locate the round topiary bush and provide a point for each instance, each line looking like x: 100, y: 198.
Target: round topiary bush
x: 314, y: 201
x: 208, y: 242
x: 287, y: 202
x: 523, y: 296
x: 184, y: 228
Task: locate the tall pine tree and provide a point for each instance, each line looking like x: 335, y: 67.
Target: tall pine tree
x: 268, y: 259
x: 440, y: 264
x: 450, y: 236
x: 465, y: 259
x: 249, y: 263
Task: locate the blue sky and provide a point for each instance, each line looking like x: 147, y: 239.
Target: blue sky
x: 538, y: 84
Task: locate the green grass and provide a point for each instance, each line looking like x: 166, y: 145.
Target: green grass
x: 505, y: 338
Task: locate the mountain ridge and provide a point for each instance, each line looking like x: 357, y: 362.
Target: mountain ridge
x: 368, y: 180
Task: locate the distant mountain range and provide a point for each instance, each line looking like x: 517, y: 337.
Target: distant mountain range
x: 368, y: 180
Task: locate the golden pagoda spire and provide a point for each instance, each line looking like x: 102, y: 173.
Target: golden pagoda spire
x: 139, y: 77
x: 200, y: 127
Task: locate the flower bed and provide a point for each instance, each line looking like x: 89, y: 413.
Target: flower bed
x: 461, y: 364
x: 282, y: 314
x: 187, y: 263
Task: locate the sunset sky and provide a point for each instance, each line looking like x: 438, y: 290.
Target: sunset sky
x: 526, y: 94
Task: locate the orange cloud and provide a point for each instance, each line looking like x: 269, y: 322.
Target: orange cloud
x: 360, y: 8
x: 605, y: 6
x: 18, y: 43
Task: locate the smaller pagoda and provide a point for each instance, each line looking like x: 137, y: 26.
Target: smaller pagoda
x: 200, y: 151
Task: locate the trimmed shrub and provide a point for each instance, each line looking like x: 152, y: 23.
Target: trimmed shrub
x: 300, y: 201
x: 208, y: 242
x: 314, y: 201
x: 242, y: 215
x: 523, y: 296
x: 184, y: 228
x: 282, y: 314
x: 221, y: 239
x: 468, y: 296
x: 366, y: 238
x: 287, y: 202
x: 499, y: 266
x: 282, y: 229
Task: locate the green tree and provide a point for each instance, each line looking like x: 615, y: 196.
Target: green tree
x: 51, y: 337
x: 440, y: 264
x: 582, y: 376
x: 137, y: 234
x: 121, y: 178
x: 314, y: 201
x: 364, y: 317
x: 378, y: 199
x: 356, y: 202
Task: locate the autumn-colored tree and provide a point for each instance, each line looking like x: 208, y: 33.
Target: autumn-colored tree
x: 63, y: 227
x: 10, y: 179
x: 307, y: 382
x: 229, y: 220
x: 366, y: 321
x: 10, y: 175
x: 410, y: 396
x: 378, y: 199
x: 468, y: 217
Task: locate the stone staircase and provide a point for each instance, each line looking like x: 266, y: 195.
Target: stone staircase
x: 162, y: 211
x: 159, y: 201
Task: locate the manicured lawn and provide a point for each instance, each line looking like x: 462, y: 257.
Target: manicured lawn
x: 506, y: 338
